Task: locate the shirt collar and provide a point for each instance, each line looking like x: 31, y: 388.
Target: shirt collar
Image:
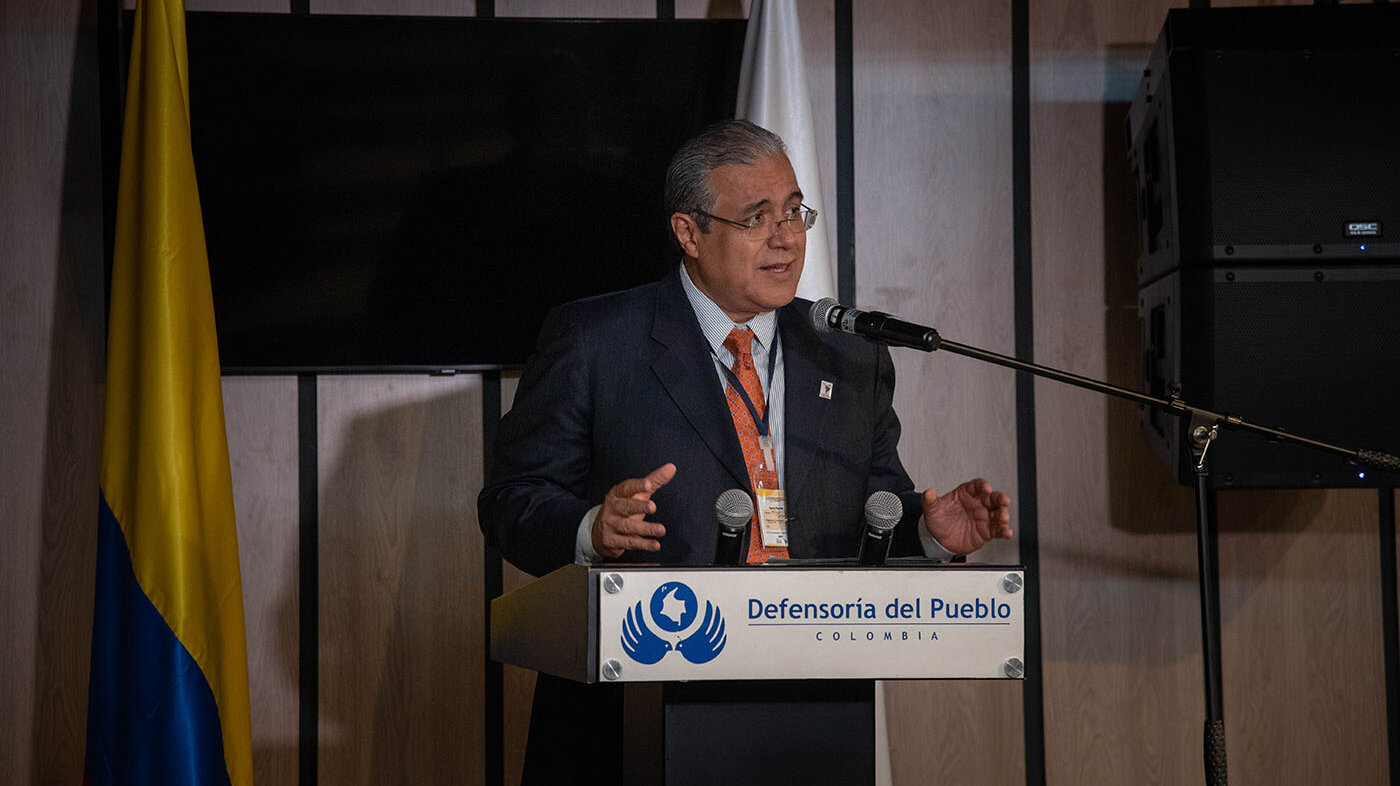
x: 716, y: 324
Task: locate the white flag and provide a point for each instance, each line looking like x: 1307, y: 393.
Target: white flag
x: 773, y: 94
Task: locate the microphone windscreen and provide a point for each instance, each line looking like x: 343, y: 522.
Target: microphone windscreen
x: 821, y: 314
x: 883, y: 510
x: 734, y: 508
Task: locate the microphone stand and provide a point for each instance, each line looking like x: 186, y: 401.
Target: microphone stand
x: 1205, y: 429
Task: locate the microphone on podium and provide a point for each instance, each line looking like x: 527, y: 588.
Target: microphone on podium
x: 883, y: 511
x: 733, y: 509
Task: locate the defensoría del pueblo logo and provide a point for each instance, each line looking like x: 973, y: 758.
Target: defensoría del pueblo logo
x: 673, y: 613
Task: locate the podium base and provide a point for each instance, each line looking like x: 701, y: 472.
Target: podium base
x: 750, y: 732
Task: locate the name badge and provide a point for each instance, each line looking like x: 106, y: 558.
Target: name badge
x: 772, y: 517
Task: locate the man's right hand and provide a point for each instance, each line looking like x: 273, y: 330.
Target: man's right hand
x: 620, y: 525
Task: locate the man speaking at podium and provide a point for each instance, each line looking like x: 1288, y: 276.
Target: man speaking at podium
x: 639, y: 408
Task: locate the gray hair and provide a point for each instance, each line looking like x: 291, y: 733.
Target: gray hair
x: 720, y: 144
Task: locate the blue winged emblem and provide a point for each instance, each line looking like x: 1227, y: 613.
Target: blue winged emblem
x: 704, y: 644
x: 640, y: 643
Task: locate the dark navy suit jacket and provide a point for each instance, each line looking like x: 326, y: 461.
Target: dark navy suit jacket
x: 623, y: 383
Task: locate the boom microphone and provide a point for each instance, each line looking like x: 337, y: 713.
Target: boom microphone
x: 734, y: 509
x: 883, y: 511
x: 827, y: 316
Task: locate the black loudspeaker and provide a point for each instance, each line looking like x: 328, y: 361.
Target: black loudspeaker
x: 1311, y: 351
x: 1269, y: 134
x: 1266, y: 145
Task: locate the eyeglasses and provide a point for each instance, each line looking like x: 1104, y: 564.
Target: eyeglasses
x: 798, y: 219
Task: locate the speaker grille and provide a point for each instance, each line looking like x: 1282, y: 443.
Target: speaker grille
x: 1313, y: 352
x: 1300, y: 142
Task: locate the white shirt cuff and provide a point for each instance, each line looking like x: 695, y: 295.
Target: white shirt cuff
x: 932, y: 548
x: 583, y: 543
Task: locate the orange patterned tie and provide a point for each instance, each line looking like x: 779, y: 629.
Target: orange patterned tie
x: 739, y: 342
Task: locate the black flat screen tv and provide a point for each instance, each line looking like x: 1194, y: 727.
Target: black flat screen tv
x: 414, y: 194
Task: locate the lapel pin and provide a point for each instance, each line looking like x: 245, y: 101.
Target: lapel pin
x: 826, y: 390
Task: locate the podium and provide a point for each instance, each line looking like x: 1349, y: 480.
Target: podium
x: 761, y: 674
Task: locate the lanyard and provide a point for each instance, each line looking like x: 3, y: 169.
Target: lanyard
x: 760, y: 423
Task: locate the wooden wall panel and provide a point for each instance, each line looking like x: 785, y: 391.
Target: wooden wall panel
x: 247, y: 6
x: 261, y: 416
x: 519, y: 684
x: 51, y: 367
x: 398, y: 7
x: 1304, y: 671
x: 400, y: 634
x: 933, y: 244
x: 591, y: 9
x: 720, y: 9
x: 818, y: 23
x: 1123, y: 695
x: 263, y: 6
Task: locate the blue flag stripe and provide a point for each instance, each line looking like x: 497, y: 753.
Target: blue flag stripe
x: 152, y: 718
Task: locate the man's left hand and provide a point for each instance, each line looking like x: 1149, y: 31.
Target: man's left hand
x: 964, y: 519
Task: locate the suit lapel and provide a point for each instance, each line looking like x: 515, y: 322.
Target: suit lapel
x: 682, y: 365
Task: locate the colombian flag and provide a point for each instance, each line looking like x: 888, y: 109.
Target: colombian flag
x: 168, y: 696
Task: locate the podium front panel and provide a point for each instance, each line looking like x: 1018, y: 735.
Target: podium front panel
x: 954, y: 621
